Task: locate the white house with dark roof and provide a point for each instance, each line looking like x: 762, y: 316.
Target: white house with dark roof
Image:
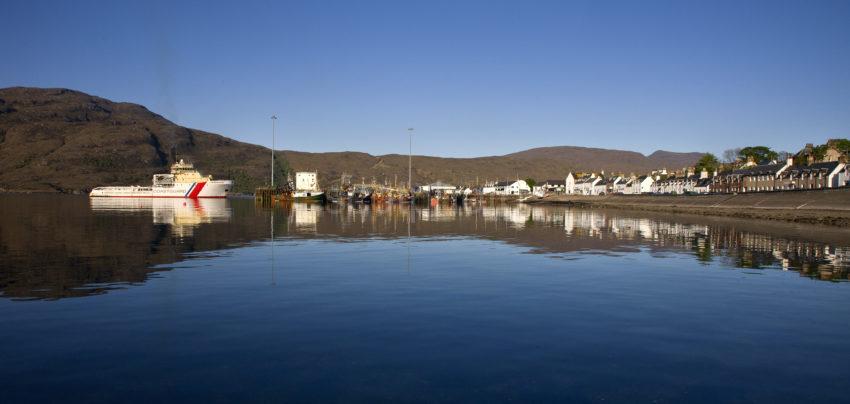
x: 554, y: 186
x: 623, y: 185
x: 586, y: 185
x: 506, y: 188
x: 830, y: 174
x: 640, y: 185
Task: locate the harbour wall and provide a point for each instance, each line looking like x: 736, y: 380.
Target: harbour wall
x: 825, y: 206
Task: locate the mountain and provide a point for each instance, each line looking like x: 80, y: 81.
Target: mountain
x: 65, y: 140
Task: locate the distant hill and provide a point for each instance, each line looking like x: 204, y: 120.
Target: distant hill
x: 65, y: 140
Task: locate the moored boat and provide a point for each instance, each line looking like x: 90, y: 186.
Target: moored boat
x: 182, y: 182
x: 316, y: 196
x: 307, y: 187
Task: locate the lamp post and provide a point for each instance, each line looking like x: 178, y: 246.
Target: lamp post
x: 274, y: 119
x: 410, y: 160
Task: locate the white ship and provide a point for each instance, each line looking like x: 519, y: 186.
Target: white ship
x: 183, y: 182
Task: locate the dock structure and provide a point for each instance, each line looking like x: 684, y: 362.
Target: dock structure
x: 266, y: 195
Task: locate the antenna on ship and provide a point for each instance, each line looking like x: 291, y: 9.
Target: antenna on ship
x: 274, y: 119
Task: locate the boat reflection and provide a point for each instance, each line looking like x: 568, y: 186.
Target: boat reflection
x: 183, y: 215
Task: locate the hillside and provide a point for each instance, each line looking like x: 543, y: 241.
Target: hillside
x: 65, y: 140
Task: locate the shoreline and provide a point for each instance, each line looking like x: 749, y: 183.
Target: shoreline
x: 824, y: 207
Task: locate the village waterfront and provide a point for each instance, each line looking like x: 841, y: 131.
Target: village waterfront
x: 111, y: 299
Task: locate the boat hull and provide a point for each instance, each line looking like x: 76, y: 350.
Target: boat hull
x: 201, y: 189
x: 301, y: 196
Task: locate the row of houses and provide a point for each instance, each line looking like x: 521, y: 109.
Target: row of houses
x: 750, y: 178
x: 779, y: 176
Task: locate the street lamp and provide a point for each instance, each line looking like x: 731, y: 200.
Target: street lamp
x: 274, y: 119
x: 410, y: 160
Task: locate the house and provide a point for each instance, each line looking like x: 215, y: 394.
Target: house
x: 554, y: 186
x: 830, y: 174
x: 640, y: 185
x: 438, y: 188
x: 703, y: 186
x: 538, y: 190
x: 488, y: 188
x: 600, y: 187
x: 754, y: 178
x: 692, y: 180
x: 623, y: 185
x: 570, y: 184
x: 611, y: 184
x: 606, y: 185
x: 846, y: 175
x: 586, y: 185
x: 518, y: 187
x: 678, y: 183
x: 661, y: 185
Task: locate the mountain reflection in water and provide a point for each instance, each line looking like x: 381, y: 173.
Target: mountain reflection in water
x: 63, y: 246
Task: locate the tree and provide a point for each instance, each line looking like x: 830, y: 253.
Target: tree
x: 819, y: 152
x: 731, y: 155
x: 707, y: 162
x: 281, y: 170
x: 759, y: 154
x: 531, y: 182
x: 842, y: 145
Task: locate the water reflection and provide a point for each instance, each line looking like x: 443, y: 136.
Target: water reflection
x: 62, y: 246
x: 183, y: 215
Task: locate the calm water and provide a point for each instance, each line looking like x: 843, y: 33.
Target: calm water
x: 123, y: 300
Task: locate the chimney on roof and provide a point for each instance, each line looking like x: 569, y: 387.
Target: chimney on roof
x: 703, y: 174
x: 790, y: 161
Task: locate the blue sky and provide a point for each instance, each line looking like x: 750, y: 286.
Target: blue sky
x: 474, y: 78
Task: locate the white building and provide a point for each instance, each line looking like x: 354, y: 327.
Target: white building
x: 641, y: 185
x: 601, y: 186
x: 587, y: 185
x: 306, y: 181
x: 553, y: 186
x: 488, y: 189
x: 438, y: 187
x: 570, y: 184
x: 518, y: 187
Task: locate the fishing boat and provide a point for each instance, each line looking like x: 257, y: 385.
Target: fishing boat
x: 307, y: 187
x: 182, y: 182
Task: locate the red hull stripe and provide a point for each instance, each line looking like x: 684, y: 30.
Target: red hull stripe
x: 197, y: 190
x: 151, y: 196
